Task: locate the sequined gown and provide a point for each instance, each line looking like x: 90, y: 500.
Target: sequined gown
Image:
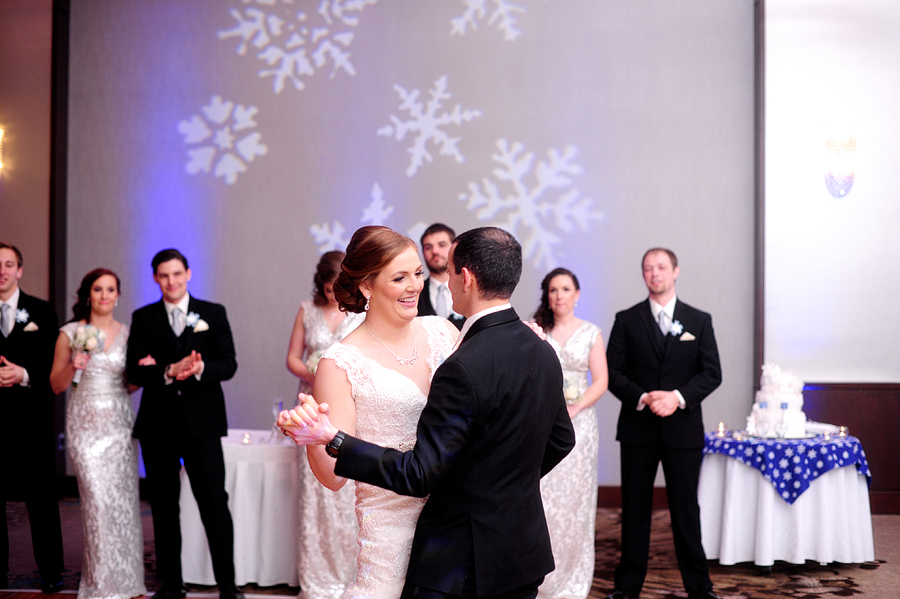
x: 99, y: 419
x: 569, y: 491
x: 388, y: 406
x: 327, y: 543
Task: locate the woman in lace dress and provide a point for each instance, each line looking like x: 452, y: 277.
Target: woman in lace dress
x: 376, y: 382
x: 99, y: 420
x: 569, y: 491
x: 328, y: 529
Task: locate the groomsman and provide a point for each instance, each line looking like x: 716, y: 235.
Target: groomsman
x: 182, y: 417
x: 435, y: 299
x: 28, y: 331
x: 663, y: 361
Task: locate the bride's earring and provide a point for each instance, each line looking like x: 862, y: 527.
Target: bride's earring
x: 366, y: 308
x: 116, y: 305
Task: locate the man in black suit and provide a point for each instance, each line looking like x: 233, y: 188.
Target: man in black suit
x: 435, y: 298
x: 663, y: 362
x: 182, y: 416
x: 28, y: 331
x: 494, y: 423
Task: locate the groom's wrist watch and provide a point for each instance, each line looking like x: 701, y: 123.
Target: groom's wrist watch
x: 334, y: 446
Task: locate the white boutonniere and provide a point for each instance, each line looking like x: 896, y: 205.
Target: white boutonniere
x: 194, y: 321
x: 687, y: 337
x: 31, y: 326
x: 21, y: 315
x: 676, y: 328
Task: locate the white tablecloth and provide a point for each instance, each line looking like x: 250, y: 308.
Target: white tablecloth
x: 743, y: 518
x: 261, y: 481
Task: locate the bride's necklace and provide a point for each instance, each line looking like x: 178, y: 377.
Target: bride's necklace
x: 403, y: 361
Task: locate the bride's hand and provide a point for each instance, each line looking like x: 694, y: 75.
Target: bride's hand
x: 307, y: 423
x: 537, y: 330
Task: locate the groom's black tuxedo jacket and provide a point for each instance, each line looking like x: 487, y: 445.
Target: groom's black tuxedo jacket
x: 494, y: 423
x: 640, y: 361
x: 198, y: 406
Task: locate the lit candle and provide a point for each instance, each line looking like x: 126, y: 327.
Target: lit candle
x: 721, y: 431
x: 246, y: 439
x: 843, y: 431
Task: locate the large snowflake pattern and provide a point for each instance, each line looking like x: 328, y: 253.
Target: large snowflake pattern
x: 533, y: 214
x: 224, y: 137
x: 503, y: 16
x: 296, y: 44
x: 331, y: 236
x: 426, y: 122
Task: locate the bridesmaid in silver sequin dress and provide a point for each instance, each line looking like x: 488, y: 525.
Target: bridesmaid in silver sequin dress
x: 99, y: 419
x: 569, y: 491
x: 328, y: 528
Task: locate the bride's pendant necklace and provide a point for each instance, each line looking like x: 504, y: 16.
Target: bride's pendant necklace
x: 403, y: 361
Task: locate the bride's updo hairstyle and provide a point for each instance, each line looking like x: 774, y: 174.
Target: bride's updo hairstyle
x: 370, y: 250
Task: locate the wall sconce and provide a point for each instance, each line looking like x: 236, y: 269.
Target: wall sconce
x: 1, y: 151
x: 840, y: 158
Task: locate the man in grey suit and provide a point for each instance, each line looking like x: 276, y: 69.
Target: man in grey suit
x: 663, y: 361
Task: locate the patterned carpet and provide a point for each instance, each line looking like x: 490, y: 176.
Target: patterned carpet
x: 879, y: 579
x: 742, y: 581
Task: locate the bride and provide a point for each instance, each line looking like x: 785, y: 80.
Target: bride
x: 376, y: 382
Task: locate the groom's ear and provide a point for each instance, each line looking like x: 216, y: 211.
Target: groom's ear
x: 467, y: 277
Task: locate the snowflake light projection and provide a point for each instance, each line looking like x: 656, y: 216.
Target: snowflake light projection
x: 425, y: 122
x: 331, y: 237
x: 224, y: 137
x: 294, y: 43
x: 503, y: 17
x: 531, y: 214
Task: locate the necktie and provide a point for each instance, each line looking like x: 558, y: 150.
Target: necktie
x: 442, y: 306
x: 663, y: 323
x: 177, y: 321
x: 4, y: 320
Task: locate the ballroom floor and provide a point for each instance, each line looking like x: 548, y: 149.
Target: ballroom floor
x: 879, y: 579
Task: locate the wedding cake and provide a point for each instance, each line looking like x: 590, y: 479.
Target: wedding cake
x: 778, y: 408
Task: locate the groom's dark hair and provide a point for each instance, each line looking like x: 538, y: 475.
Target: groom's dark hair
x: 493, y: 256
x: 165, y: 256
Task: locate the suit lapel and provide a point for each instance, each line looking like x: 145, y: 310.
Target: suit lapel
x: 24, y: 304
x: 187, y: 334
x: 677, y: 316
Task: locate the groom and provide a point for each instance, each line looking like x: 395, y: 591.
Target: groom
x: 494, y: 423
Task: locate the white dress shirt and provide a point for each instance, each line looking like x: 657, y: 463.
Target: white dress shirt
x: 474, y: 318
x: 170, y: 310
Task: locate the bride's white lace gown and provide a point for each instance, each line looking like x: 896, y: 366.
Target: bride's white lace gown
x: 388, y: 406
x: 327, y: 539
x: 569, y: 491
x: 99, y: 419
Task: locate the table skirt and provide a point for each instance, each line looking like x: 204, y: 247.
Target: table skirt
x: 262, y: 485
x: 743, y: 519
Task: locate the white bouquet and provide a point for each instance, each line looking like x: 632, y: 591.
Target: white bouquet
x: 572, y: 388
x: 312, y: 360
x: 87, y: 339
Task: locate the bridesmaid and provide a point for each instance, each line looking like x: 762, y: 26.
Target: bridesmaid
x: 328, y: 527
x: 569, y: 491
x: 99, y: 419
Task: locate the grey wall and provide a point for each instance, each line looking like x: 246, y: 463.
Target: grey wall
x: 626, y: 125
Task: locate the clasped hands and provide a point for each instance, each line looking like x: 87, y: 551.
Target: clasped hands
x: 307, y: 423
x: 662, y: 403
x: 184, y: 368
x: 10, y: 374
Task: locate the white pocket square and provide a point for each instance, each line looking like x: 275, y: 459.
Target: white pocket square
x: 686, y: 337
x: 31, y: 326
x: 201, y: 326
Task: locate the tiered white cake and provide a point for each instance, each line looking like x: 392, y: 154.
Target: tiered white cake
x: 778, y: 409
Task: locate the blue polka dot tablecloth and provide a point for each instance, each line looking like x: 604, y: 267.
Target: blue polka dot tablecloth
x: 791, y: 464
